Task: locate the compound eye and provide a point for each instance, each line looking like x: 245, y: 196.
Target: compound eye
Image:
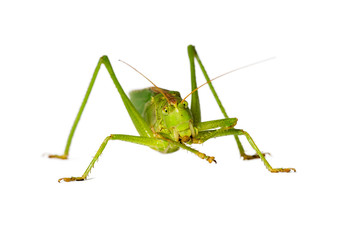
x: 165, y: 110
x: 185, y: 104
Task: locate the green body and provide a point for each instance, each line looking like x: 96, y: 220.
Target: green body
x: 165, y: 122
x: 172, y: 121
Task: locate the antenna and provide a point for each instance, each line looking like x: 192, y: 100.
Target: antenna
x: 147, y: 79
x: 242, y: 67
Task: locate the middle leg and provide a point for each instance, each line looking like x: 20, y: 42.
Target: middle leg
x: 155, y: 143
x: 206, y: 135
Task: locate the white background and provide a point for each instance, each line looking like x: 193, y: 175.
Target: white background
x: 301, y: 107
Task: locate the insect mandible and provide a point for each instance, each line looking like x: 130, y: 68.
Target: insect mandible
x: 165, y: 122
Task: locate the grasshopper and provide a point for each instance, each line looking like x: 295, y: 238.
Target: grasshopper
x: 165, y: 122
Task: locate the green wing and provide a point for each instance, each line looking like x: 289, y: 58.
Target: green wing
x: 140, y: 97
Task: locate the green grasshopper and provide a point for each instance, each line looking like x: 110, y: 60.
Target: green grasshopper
x: 164, y: 121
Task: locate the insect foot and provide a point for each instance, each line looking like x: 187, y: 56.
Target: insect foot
x: 276, y: 170
x: 255, y: 156
x: 208, y: 158
x: 211, y: 159
x: 71, y: 179
x: 64, y: 156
